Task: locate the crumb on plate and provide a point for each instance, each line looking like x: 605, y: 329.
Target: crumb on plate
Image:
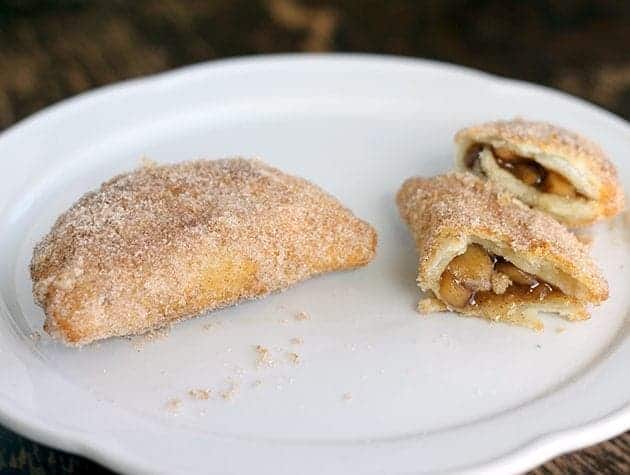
x: 174, y: 404
x: 264, y: 357
x: 301, y: 316
x: 200, y: 394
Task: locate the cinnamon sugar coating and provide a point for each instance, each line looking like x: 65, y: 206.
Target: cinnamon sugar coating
x: 164, y: 243
x: 447, y: 212
x: 543, y: 136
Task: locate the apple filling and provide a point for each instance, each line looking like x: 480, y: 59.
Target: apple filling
x: 528, y: 171
x: 476, y: 275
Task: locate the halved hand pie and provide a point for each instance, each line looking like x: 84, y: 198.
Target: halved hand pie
x: 484, y: 253
x: 547, y: 167
x: 165, y: 243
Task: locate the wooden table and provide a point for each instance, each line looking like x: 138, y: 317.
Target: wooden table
x: 52, y: 50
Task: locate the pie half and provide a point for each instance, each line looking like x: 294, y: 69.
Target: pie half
x: 164, y: 243
x: 547, y: 167
x: 483, y: 253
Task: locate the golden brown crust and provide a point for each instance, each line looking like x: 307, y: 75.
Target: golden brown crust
x: 164, y: 243
x: 447, y: 212
x: 539, y: 139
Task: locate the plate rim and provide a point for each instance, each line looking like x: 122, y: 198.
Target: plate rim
x: 527, y: 455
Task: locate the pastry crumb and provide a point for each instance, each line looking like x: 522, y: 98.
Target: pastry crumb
x: 301, y: 316
x: 294, y: 358
x: 200, y: 394
x: 561, y: 330
x: 256, y: 383
x: 297, y: 340
x: 174, y: 404
x: 264, y: 357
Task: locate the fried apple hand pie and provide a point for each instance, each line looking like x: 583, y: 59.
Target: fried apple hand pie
x: 165, y: 243
x: 547, y: 167
x: 484, y: 253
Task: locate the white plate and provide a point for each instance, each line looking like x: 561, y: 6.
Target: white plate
x: 380, y: 389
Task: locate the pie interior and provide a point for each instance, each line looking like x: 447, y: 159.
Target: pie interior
x: 480, y: 282
x: 527, y: 170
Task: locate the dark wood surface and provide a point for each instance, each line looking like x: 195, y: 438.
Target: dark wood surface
x: 50, y: 50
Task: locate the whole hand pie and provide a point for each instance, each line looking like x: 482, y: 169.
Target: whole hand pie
x: 165, y: 243
x: 547, y: 167
x: 483, y: 253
